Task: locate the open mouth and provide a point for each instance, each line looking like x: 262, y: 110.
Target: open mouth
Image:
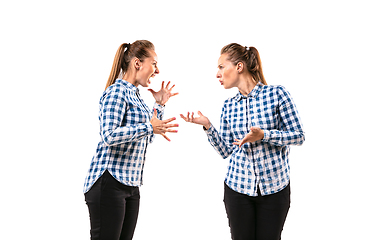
x: 151, y: 76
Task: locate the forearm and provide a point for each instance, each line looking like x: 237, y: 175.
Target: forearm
x: 284, y: 138
x: 218, y: 143
x: 126, y: 134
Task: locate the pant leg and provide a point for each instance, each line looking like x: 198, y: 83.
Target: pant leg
x: 131, y: 215
x: 271, y: 213
x: 240, y: 210
x: 107, y: 203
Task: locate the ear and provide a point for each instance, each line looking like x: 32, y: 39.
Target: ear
x: 137, y: 63
x: 239, y: 67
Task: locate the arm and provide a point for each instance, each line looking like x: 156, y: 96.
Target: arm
x: 291, y: 132
x: 112, y: 113
x: 220, y: 141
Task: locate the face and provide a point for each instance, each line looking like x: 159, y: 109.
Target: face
x: 147, y: 70
x: 227, y: 72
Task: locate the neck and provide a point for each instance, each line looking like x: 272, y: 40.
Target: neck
x: 246, y: 84
x: 131, y: 78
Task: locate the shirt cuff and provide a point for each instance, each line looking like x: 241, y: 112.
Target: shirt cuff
x: 266, y: 136
x: 158, y: 107
x: 150, y: 128
x: 208, y: 130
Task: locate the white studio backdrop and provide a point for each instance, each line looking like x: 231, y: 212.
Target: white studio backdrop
x: 55, y: 60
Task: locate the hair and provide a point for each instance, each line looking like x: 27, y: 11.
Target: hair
x: 125, y: 53
x: 249, y: 56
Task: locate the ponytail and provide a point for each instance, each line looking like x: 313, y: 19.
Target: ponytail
x: 254, y: 66
x: 116, y: 66
x: 124, y: 54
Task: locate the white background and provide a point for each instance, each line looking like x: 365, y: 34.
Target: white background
x: 55, y: 60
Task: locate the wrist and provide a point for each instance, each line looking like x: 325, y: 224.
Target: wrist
x: 207, y: 126
x: 159, y: 103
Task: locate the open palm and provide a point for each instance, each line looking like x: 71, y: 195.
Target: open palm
x: 201, y: 120
x: 164, y: 94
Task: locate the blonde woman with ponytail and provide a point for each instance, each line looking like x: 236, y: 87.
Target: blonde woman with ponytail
x: 257, y: 127
x: 112, y: 184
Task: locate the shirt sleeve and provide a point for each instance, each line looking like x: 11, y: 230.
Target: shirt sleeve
x: 222, y: 141
x: 291, y: 130
x: 160, y: 113
x: 113, y: 110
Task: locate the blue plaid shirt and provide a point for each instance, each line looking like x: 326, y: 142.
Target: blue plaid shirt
x: 264, y: 163
x: 125, y: 132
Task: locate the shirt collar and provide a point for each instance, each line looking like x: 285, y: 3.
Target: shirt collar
x: 254, y: 92
x: 127, y: 84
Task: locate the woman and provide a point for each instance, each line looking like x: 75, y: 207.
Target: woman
x: 257, y: 127
x: 126, y: 127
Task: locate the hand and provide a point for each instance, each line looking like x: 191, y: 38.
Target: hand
x: 254, y: 135
x: 201, y: 120
x: 163, y: 95
x: 161, y: 126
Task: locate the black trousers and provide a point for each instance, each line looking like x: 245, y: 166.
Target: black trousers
x: 256, y: 218
x: 113, y: 209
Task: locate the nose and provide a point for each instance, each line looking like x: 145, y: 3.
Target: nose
x: 219, y: 75
x: 156, y: 70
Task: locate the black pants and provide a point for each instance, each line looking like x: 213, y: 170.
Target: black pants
x: 256, y: 218
x: 113, y: 209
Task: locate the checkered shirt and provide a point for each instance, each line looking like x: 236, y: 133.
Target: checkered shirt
x: 264, y: 163
x: 125, y: 132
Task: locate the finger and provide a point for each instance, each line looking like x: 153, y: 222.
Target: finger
x: 170, y: 125
x: 169, y: 120
x: 164, y: 135
x: 172, y: 87
x: 171, y: 130
x: 183, y: 117
x: 192, y: 116
x: 151, y: 90
x: 168, y: 84
x: 200, y: 114
x: 174, y: 94
x: 162, y: 85
x: 236, y: 141
x: 155, y: 113
x: 243, y: 141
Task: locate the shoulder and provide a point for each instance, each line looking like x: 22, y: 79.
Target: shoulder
x: 115, y: 92
x: 276, y: 90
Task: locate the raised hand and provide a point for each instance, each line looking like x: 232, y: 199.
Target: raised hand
x: 201, y: 120
x: 164, y: 94
x: 162, y: 126
x: 254, y: 135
